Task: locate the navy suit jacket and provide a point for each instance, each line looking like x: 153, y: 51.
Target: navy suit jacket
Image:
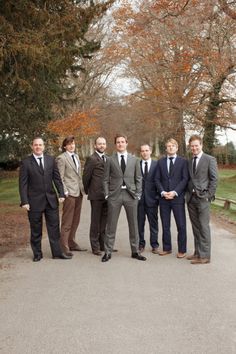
x: 150, y: 194
x: 176, y: 182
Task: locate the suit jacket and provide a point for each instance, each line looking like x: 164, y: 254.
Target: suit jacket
x: 204, y: 181
x: 71, y: 178
x: 176, y: 182
x: 37, y: 187
x: 93, y: 177
x: 113, y: 177
x: 150, y: 195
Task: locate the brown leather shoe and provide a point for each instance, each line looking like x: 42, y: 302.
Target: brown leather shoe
x: 200, y: 261
x: 164, y: 253
x: 97, y: 253
x: 181, y: 255
x: 155, y: 250
x: 78, y: 248
x: 193, y: 256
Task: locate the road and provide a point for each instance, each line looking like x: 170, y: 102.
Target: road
x: 84, y: 306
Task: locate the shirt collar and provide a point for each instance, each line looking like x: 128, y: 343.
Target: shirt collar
x: 174, y: 156
x: 199, y: 155
x: 38, y: 156
x: 125, y: 153
x: 70, y: 153
x: 99, y: 153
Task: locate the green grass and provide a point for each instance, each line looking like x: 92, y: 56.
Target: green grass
x: 9, y: 191
x: 226, y: 189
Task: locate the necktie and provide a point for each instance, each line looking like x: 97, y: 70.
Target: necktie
x: 73, y: 157
x: 171, y: 166
x: 40, y: 163
x: 194, y: 164
x: 103, y: 157
x: 145, y: 169
x: 122, y: 163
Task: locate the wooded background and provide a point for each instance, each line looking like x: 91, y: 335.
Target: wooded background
x: 59, y: 60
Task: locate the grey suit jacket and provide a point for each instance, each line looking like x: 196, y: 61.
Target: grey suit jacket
x: 113, y: 177
x: 71, y: 178
x: 204, y: 181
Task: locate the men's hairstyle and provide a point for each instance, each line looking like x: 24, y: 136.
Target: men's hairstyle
x: 98, y: 137
x: 66, y: 141
x: 171, y: 141
x: 120, y: 136
x: 195, y: 137
x: 37, y: 137
x: 145, y: 145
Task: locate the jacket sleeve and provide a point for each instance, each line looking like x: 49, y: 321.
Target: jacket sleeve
x: 87, y: 173
x: 57, y: 180
x: 23, y: 184
x: 213, y: 177
x: 61, y: 165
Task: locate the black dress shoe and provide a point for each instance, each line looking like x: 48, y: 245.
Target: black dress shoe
x: 37, y: 258
x: 138, y: 257
x: 106, y: 257
x: 62, y: 256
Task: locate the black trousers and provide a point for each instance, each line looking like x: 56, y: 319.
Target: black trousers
x: 98, y: 224
x: 53, y: 229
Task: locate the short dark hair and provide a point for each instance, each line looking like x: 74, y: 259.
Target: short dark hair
x: 66, y: 141
x: 120, y: 136
x: 195, y: 137
x: 99, y: 137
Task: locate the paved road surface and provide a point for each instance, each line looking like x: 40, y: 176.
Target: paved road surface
x: 125, y: 306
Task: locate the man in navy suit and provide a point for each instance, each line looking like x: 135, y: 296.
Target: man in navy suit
x: 171, y: 180
x: 148, y: 204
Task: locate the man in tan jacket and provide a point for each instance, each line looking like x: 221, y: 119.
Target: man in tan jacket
x: 70, y: 170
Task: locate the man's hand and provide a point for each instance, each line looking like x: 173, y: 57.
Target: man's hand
x: 61, y: 200
x: 26, y: 206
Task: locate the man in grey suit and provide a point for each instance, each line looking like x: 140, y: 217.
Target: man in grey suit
x: 70, y: 170
x: 201, y: 191
x: 122, y: 186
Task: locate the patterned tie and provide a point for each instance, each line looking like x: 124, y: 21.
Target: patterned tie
x: 171, y: 166
x: 122, y: 163
x: 145, y: 169
x: 40, y: 163
x: 194, y: 164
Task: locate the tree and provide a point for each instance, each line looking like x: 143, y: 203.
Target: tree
x: 41, y: 45
x: 183, y: 55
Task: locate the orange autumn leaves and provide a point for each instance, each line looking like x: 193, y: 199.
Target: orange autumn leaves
x: 80, y: 124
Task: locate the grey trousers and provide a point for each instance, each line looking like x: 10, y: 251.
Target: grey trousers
x: 114, y: 207
x: 199, y: 213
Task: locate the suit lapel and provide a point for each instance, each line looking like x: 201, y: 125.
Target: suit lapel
x: 165, y: 166
x: 36, y: 165
x: 200, y: 162
x: 70, y: 161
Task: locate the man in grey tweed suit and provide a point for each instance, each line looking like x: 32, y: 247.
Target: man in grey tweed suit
x: 122, y: 186
x: 201, y: 191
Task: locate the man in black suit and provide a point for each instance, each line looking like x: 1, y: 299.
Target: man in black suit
x: 38, y: 176
x: 201, y: 191
x: 122, y: 186
x: 93, y: 185
x: 171, y: 179
x: 148, y: 204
